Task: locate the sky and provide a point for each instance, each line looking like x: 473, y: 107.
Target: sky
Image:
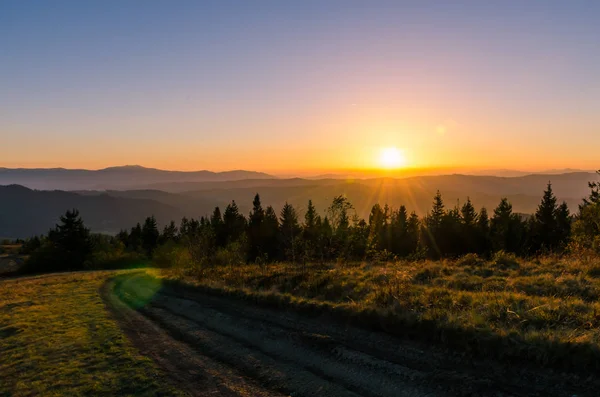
x: 300, y: 86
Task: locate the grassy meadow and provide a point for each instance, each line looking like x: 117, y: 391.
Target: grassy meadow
x: 57, y: 338
x: 543, y: 311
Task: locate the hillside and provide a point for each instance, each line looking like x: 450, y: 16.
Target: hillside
x: 25, y: 212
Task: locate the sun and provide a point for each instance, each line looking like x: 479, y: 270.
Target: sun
x: 391, y: 157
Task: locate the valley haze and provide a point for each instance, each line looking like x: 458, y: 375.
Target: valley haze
x: 114, y: 198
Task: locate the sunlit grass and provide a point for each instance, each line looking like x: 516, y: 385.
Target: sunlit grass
x: 57, y: 338
x: 545, y: 310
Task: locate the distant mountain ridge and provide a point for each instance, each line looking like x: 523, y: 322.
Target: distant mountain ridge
x: 121, y: 177
x: 24, y: 212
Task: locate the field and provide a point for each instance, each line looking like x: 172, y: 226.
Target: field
x: 544, y: 311
x: 502, y: 327
x: 57, y: 338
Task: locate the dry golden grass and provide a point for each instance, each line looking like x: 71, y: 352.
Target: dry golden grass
x: 544, y: 310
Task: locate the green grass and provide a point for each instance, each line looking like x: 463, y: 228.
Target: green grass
x: 57, y: 338
x: 542, y: 311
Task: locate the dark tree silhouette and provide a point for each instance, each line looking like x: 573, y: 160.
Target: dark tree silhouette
x: 271, y: 234
x: 506, y: 229
x: 256, y: 240
x: 234, y: 223
x: 290, y: 231
x: 150, y: 235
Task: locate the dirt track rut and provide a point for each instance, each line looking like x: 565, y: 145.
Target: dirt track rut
x: 217, y: 346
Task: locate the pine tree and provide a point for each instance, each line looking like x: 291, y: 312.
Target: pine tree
x: 255, y: 230
x: 289, y: 231
x: 506, y: 229
x: 135, y: 238
x: 72, y: 242
x: 432, y: 227
x: 563, y: 225
x: 412, y: 230
x: 449, y: 236
x: 123, y: 237
x: 435, y: 217
x: 586, y: 229
x: 218, y: 227
x: 150, y: 235
x: 271, y: 234
x: 234, y: 223
x: 399, y: 231
x: 594, y: 197
x: 483, y: 246
x: 468, y: 227
x: 310, y: 231
x: 169, y: 233
x: 310, y: 217
x: 325, y: 239
x: 376, y: 229
x: 544, y: 226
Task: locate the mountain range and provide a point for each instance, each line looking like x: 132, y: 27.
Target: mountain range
x: 25, y: 211
x: 124, y: 177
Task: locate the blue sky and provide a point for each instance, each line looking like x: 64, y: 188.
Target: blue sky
x: 303, y: 85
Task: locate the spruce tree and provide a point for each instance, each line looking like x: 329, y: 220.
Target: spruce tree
x: 150, y: 235
x: 468, y: 227
x: 169, y: 233
x: 545, y: 234
x: 310, y: 231
x: 399, y: 231
x: 72, y: 242
x: 270, y: 234
x: 234, y: 223
x: 483, y: 246
x: 449, y: 236
x: 563, y: 225
x: 432, y: 227
x: 255, y: 230
x: 506, y: 229
x: 310, y: 217
x: 376, y: 229
x: 586, y: 229
x: 412, y: 233
x: 218, y: 227
x: 289, y: 231
x: 135, y: 238
x: 435, y: 217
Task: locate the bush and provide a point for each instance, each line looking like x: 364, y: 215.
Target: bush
x: 471, y: 260
x: 505, y: 261
x: 171, y: 254
x: 232, y: 254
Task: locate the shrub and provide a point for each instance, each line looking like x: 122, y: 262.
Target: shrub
x: 505, y: 260
x: 171, y: 254
x: 472, y: 260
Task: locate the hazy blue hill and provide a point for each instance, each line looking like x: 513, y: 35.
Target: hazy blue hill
x: 25, y: 212
x: 126, y: 177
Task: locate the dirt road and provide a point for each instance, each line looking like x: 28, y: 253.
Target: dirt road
x: 217, y: 346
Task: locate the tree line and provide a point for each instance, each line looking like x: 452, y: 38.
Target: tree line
x: 339, y: 234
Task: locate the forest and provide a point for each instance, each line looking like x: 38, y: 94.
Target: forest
x: 229, y: 237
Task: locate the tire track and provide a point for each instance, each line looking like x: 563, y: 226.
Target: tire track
x: 285, y: 353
